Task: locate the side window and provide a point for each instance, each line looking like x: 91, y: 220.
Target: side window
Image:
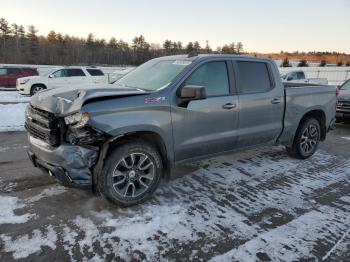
x: 300, y: 75
x: 95, y: 72
x: 13, y: 71
x: 253, y: 77
x: 213, y: 76
x: 3, y: 71
x: 75, y: 72
x: 59, y: 73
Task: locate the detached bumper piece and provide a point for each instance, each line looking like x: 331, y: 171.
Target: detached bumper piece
x: 69, y: 164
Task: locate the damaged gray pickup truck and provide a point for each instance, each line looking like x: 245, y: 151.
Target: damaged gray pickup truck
x: 121, y: 139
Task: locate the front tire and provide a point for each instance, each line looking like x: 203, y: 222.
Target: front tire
x: 306, y: 140
x: 35, y: 89
x: 131, y: 173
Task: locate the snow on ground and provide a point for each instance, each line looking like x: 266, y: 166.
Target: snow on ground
x: 26, y: 245
x: 12, y: 117
x: 260, y: 203
x: 8, y: 206
x: 12, y: 97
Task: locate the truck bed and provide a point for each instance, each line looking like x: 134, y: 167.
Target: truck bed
x: 303, y: 97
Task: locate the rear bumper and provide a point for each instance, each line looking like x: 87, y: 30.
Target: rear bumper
x: 70, y: 164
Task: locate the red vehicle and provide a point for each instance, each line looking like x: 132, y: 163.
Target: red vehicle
x: 9, y: 75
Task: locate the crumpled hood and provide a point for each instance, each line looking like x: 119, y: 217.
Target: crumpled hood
x: 344, y: 95
x: 63, y: 101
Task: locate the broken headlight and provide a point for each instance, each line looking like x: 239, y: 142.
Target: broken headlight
x: 81, y: 118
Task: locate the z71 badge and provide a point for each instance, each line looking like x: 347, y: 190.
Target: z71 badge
x: 154, y: 99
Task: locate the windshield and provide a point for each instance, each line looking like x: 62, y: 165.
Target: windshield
x: 346, y: 85
x: 153, y: 75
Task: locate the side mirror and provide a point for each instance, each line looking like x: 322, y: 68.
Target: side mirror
x: 192, y: 92
x: 51, y: 76
x: 289, y: 78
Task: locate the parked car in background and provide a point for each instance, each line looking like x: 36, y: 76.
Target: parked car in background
x: 61, y: 77
x: 343, y: 105
x: 298, y: 76
x: 9, y: 75
x: 123, y: 138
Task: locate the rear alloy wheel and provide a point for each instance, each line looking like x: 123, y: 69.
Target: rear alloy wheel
x: 306, y: 140
x: 35, y: 89
x: 131, y: 174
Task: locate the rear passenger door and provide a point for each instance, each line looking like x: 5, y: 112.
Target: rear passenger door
x: 261, y: 104
x: 76, y: 77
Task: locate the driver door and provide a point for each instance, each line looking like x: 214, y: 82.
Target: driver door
x: 207, y: 126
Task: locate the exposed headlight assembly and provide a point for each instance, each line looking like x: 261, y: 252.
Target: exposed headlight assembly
x: 80, y: 118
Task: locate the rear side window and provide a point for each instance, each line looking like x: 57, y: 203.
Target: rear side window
x: 3, y: 71
x: 253, y: 77
x: 13, y: 71
x: 75, y: 72
x: 95, y: 72
x: 300, y: 75
x: 213, y: 76
x: 31, y: 71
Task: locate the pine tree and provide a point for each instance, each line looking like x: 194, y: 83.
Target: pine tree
x: 189, y: 47
x: 33, y: 44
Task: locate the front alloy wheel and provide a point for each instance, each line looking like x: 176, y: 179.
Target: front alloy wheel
x: 131, y: 173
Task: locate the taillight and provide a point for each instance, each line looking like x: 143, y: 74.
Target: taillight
x: 337, y: 94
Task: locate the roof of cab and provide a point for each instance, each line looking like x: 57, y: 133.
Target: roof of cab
x: 210, y: 56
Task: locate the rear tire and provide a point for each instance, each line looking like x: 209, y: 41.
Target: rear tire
x: 36, y: 88
x: 131, y: 173
x: 306, y: 140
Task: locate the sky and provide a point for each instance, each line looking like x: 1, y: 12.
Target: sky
x: 261, y: 25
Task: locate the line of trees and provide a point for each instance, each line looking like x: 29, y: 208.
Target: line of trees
x: 24, y: 46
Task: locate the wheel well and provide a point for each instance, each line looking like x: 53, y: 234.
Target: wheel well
x: 151, y: 137
x: 42, y: 85
x: 320, y: 116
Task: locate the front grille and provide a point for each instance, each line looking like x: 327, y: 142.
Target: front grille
x: 43, y: 125
x: 343, y: 105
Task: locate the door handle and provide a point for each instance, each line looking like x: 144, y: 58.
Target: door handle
x: 276, y: 101
x: 229, y: 106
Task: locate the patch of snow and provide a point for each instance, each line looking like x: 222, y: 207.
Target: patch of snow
x: 293, y: 240
x: 12, y: 117
x: 345, y: 199
x: 26, y: 245
x: 12, y: 97
x: 336, y: 245
x: 8, y: 206
x: 229, y: 197
x: 47, y: 192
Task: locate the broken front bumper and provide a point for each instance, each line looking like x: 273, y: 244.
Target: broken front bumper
x: 70, y: 164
